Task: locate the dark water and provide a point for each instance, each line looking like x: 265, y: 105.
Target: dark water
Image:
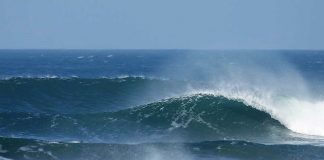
x: 161, y: 104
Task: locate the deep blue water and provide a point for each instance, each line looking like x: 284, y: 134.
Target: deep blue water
x: 161, y: 104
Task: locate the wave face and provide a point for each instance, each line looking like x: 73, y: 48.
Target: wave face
x: 161, y: 105
x: 194, y: 118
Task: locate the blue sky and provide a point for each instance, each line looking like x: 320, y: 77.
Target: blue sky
x: 162, y: 24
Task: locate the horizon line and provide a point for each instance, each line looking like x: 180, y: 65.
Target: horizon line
x: 159, y: 49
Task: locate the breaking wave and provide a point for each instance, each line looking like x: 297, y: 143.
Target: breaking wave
x: 72, y: 96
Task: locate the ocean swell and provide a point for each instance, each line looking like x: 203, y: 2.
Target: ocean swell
x: 81, y: 95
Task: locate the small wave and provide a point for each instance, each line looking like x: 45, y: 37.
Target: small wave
x: 48, y: 76
x: 226, y: 149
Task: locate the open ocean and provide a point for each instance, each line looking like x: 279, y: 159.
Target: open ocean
x: 161, y: 105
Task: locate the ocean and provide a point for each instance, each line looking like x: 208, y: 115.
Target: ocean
x: 162, y: 104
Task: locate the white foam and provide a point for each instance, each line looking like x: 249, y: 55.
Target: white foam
x: 299, y: 115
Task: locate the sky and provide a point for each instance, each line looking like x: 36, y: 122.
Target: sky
x: 162, y: 24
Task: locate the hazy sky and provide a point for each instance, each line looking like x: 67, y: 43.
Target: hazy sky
x: 167, y: 24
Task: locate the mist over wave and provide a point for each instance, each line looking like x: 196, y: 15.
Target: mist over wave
x: 268, y: 82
